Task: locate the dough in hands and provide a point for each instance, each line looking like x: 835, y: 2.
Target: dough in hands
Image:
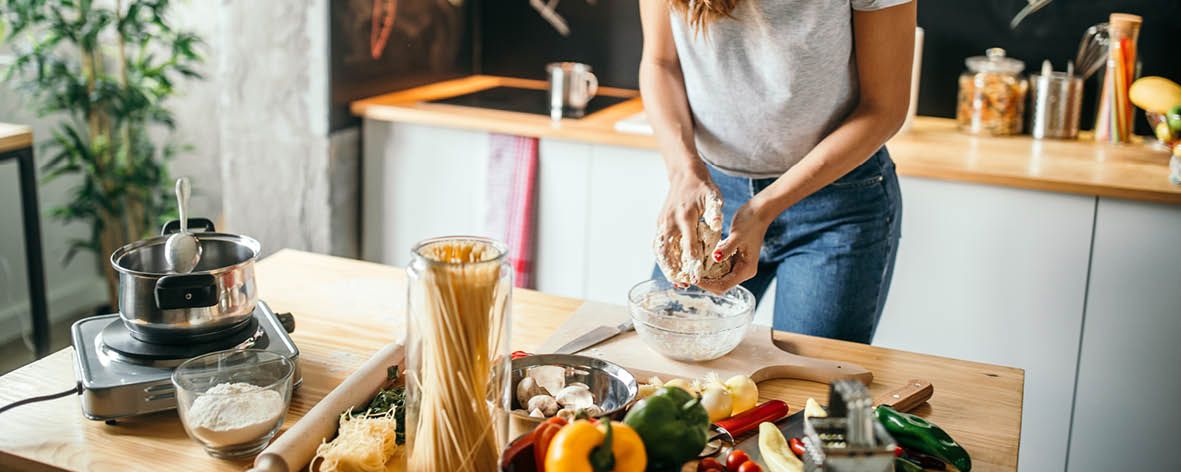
x: 682, y: 267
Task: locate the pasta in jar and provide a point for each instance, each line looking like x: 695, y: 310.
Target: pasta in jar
x: 992, y: 95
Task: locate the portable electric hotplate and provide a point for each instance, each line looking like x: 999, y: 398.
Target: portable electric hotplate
x: 123, y: 376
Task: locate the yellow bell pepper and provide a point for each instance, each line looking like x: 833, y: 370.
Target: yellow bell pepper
x: 583, y: 446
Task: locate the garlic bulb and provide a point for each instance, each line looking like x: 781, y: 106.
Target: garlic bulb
x: 744, y: 392
x: 545, y: 403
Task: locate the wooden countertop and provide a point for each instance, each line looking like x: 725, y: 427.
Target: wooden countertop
x: 13, y: 137
x: 932, y: 148
x: 346, y: 310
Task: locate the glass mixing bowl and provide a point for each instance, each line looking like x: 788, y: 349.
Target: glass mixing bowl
x: 232, y: 402
x: 690, y: 324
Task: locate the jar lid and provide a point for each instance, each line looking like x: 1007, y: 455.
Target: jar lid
x: 994, y: 60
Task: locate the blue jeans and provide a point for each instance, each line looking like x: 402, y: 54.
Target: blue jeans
x: 832, y: 253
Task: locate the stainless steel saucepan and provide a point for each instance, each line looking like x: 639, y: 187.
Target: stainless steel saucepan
x: 160, y: 306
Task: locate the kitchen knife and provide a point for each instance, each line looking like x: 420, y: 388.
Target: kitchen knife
x: 593, y: 337
x: 904, y: 398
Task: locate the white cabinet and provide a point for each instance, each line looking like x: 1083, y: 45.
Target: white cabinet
x: 996, y: 275
x: 1129, y: 377
x: 562, y: 206
x: 419, y: 182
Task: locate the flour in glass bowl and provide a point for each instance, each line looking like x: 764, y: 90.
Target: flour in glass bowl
x: 691, y: 326
x: 229, y: 414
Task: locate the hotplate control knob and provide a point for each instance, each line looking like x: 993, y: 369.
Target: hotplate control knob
x: 287, y: 320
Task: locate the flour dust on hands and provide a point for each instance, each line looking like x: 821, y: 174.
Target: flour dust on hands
x: 680, y: 266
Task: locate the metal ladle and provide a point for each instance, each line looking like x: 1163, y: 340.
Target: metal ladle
x: 182, y: 251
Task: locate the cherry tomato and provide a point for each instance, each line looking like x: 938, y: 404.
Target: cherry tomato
x: 797, y: 447
x: 750, y: 466
x: 736, y: 459
x: 708, y: 464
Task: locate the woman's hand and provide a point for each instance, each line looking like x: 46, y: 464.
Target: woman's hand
x: 687, y: 195
x: 742, y: 246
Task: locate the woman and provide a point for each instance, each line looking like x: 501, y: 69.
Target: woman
x: 783, y: 106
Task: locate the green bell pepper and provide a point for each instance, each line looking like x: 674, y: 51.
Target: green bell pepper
x: 901, y: 464
x: 913, y: 432
x: 672, y: 424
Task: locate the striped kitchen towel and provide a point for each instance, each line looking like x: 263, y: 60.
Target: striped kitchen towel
x: 510, y: 207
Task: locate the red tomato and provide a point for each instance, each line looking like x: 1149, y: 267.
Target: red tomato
x: 708, y: 464
x: 750, y: 466
x: 736, y: 459
x: 797, y: 447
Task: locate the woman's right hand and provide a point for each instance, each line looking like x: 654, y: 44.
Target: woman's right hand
x: 686, y: 202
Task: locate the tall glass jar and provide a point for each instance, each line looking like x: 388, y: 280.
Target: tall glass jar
x: 992, y: 95
x: 1113, y: 120
x: 457, y: 355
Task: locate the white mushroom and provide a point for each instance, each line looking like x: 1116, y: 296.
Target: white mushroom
x: 550, y: 377
x: 527, y: 388
x: 545, y: 403
x: 593, y: 411
x: 566, y: 414
x: 576, y: 396
x: 536, y: 413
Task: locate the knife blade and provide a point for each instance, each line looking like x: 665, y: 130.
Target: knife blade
x: 594, y: 337
x: 904, y: 398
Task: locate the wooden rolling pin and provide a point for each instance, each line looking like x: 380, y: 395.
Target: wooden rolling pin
x: 297, y: 446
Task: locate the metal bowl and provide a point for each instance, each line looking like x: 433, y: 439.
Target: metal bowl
x: 613, y: 386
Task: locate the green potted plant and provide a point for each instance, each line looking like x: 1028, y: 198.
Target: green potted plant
x: 107, y: 69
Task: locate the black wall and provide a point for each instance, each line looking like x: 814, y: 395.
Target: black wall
x: 434, y: 39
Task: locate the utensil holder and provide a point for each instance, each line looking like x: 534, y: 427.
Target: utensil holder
x: 1055, y: 102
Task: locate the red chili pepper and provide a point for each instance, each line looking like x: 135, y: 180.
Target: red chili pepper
x: 797, y: 446
x: 898, y: 451
x: 519, y: 354
x: 542, y: 435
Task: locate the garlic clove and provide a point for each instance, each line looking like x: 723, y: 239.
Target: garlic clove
x: 575, y: 396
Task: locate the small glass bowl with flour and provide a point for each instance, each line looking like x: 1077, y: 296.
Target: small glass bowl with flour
x: 690, y: 324
x: 233, y: 402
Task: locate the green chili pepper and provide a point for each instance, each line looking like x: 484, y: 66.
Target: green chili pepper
x: 913, y: 432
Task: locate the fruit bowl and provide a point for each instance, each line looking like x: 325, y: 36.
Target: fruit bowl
x: 1166, y: 127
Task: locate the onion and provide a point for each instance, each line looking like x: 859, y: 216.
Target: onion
x: 683, y: 385
x: 744, y: 392
x: 716, y: 398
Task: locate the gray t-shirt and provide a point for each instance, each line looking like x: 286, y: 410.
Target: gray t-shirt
x: 768, y: 84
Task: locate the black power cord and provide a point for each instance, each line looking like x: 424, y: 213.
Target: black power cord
x: 77, y: 390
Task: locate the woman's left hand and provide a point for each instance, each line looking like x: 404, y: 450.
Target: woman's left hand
x: 742, y: 246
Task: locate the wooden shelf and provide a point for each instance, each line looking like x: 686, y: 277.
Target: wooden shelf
x: 931, y: 148
x: 13, y: 137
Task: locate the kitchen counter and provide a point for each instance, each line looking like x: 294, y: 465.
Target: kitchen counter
x: 932, y: 148
x: 346, y: 310
x: 13, y: 137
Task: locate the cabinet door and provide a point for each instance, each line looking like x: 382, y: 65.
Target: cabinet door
x: 1125, y: 411
x: 563, y: 201
x: 996, y: 275
x: 419, y: 182
x: 627, y: 189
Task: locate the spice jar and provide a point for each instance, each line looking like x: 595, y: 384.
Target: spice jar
x: 458, y: 381
x: 992, y: 95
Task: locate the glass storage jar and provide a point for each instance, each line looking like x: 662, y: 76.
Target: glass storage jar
x: 992, y: 95
x: 458, y: 380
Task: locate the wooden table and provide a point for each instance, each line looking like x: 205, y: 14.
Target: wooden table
x: 932, y: 148
x: 16, y: 143
x: 345, y: 310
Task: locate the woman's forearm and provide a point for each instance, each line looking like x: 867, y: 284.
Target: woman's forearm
x: 856, y: 139
x: 667, y: 110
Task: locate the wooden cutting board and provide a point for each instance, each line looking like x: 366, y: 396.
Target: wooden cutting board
x: 757, y: 356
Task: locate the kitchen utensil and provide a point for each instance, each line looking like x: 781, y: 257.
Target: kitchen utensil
x: 160, y: 306
x: 904, y: 398
x: 991, y: 95
x: 182, y: 251
x: 122, y: 376
x: 613, y: 386
x: 571, y: 86
x: 849, y: 439
x: 690, y: 324
x: 297, y: 446
x: 1113, y: 120
x: 756, y: 355
x: 1030, y: 8
x: 724, y: 431
x: 196, y: 382
x: 594, y: 337
x: 1056, y: 101
x: 1092, y: 50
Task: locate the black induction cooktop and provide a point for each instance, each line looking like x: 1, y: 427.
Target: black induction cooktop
x: 524, y: 100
